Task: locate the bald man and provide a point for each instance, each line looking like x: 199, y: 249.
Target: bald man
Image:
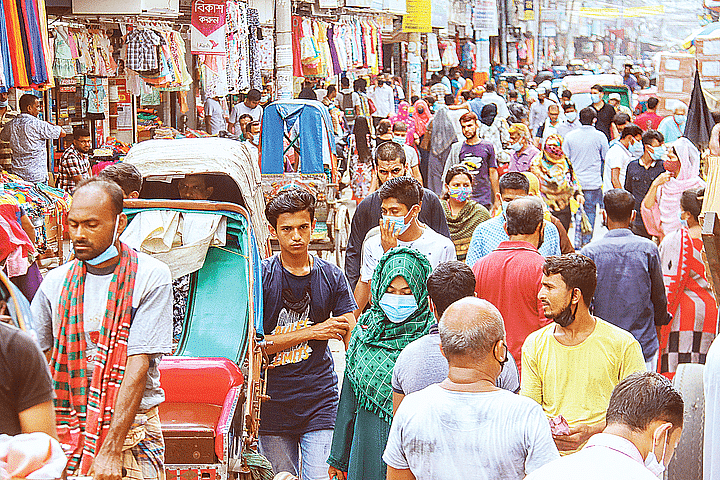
x: 472, y: 425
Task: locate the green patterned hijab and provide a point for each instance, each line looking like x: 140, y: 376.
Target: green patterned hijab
x: 376, y: 342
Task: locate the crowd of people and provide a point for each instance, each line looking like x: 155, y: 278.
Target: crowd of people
x: 479, y: 335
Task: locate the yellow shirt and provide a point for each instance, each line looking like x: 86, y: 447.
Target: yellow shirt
x: 576, y: 382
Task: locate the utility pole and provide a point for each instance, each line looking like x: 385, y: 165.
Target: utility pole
x: 503, y: 24
x: 283, y: 49
x: 538, y: 9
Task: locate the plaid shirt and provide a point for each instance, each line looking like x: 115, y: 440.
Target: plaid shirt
x: 142, y: 50
x: 72, y: 163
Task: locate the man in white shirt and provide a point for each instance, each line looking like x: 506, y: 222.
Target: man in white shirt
x: 571, y: 120
x: 251, y: 106
x: 252, y: 139
x: 384, y: 99
x: 215, y: 115
x: 618, y: 157
x: 401, y: 199
x: 539, y: 110
x: 465, y: 426
x: 644, y: 423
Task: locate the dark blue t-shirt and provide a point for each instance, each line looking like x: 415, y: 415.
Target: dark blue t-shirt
x: 482, y: 155
x: 302, y: 386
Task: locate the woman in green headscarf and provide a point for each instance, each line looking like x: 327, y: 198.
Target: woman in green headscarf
x: 399, y: 314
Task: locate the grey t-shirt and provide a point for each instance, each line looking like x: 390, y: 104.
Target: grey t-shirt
x: 439, y: 434
x: 151, y: 329
x: 214, y: 110
x: 421, y: 364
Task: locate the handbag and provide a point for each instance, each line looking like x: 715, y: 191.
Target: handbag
x: 585, y: 226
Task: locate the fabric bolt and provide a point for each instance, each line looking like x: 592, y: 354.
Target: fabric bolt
x: 488, y: 236
x: 688, y: 337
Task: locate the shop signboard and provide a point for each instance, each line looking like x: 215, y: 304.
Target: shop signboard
x: 418, y: 16
x: 484, y: 17
x: 207, y: 27
x: 440, y: 13
x: 528, y: 10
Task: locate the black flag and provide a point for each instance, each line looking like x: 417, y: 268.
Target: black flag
x: 699, y: 120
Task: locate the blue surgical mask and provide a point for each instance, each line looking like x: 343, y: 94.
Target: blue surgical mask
x: 636, y: 149
x: 399, y: 139
x: 658, y: 152
x: 595, y: 97
x: 571, y: 116
x: 398, y: 308
x: 683, y: 222
x: 110, y: 252
x: 4, y: 103
x: 398, y: 223
x: 680, y: 119
x: 516, y: 146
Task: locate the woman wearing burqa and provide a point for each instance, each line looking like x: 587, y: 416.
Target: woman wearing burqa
x: 494, y: 129
x: 443, y: 136
x: 661, y: 206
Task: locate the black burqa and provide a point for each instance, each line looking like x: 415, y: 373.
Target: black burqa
x: 699, y: 120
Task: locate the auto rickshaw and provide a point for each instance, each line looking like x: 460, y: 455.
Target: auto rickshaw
x: 213, y: 383
x: 298, y: 149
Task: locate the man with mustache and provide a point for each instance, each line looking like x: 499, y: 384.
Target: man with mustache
x: 571, y: 366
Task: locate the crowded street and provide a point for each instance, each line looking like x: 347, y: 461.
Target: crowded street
x: 359, y: 239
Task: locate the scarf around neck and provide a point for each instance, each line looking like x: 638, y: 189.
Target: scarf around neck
x: 376, y: 342
x: 83, y: 415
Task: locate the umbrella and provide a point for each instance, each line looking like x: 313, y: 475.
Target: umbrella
x: 704, y: 31
x: 699, y: 120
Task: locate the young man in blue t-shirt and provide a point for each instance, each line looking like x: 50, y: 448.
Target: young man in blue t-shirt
x: 307, y: 301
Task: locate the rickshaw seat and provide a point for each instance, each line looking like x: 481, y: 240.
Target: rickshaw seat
x: 200, y: 397
x: 217, y: 318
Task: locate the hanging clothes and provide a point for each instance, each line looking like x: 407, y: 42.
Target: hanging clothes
x: 253, y: 21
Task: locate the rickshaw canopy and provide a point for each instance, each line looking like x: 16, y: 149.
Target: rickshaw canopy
x: 304, y: 124
x: 189, y: 156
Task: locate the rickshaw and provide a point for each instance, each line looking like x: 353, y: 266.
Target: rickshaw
x: 213, y: 383
x: 298, y: 149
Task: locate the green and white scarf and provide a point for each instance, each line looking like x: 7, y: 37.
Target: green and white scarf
x: 376, y: 342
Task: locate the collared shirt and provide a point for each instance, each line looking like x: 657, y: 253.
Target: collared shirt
x: 509, y: 278
x: 5, y: 150
x: 520, y: 161
x: 142, y: 50
x: 72, y: 163
x: 27, y: 136
x: 490, y: 234
x: 604, y: 456
x: 638, y: 179
x: 586, y: 148
x: 630, y: 292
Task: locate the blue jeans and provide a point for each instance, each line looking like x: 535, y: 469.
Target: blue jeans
x: 285, y: 452
x: 593, y: 198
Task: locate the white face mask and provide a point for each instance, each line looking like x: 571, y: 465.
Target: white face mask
x: 571, y: 116
x: 651, y: 461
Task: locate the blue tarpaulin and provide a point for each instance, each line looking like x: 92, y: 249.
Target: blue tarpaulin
x: 305, y: 124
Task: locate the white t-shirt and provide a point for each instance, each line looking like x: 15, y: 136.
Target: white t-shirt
x: 411, y: 156
x: 437, y: 248
x: 444, y: 435
x: 384, y: 101
x: 152, y: 318
x: 604, y: 457
x: 455, y: 115
x: 240, y: 109
x: 617, y: 157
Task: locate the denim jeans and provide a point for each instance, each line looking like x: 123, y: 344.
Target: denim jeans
x: 286, y: 451
x: 593, y: 198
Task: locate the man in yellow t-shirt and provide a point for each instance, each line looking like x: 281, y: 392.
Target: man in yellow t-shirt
x: 571, y: 366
